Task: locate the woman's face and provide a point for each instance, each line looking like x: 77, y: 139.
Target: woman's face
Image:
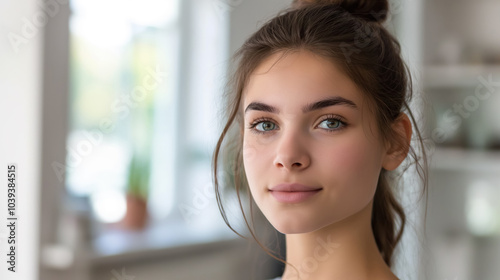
x: 306, y: 123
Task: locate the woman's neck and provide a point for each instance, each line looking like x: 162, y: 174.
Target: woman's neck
x: 343, y: 250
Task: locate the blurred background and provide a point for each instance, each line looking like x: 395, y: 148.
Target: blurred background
x: 111, y: 111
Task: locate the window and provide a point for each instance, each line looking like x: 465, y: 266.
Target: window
x: 144, y: 80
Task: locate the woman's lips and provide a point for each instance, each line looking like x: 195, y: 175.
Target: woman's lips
x: 293, y: 193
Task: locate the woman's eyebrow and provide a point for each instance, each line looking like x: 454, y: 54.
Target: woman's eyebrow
x: 331, y: 101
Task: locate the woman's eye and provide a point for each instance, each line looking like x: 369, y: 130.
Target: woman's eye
x: 331, y: 124
x: 265, y: 126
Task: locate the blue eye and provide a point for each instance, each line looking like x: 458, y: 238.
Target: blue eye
x: 332, y: 124
x: 262, y: 125
x: 265, y: 126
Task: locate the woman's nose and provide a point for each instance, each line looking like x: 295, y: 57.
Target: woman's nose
x: 291, y: 152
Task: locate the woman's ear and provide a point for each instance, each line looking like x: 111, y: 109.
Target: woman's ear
x: 398, y: 148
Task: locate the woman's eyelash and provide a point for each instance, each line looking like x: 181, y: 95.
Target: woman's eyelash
x: 332, y: 118
x: 257, y: 122
x: 341, y: 120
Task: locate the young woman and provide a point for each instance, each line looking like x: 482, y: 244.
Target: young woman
x: 319, y: 104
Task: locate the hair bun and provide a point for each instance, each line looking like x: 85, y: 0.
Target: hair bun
x: 370, y: 10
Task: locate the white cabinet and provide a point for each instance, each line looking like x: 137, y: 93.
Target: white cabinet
x: 461, y: 83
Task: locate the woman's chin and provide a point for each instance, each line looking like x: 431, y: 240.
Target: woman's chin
x: 295, y: 227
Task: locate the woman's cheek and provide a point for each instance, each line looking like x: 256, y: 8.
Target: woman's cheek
x: 352, y: 165
x: 249, y: 156
x: 344, y: 157
x: 253, y: 157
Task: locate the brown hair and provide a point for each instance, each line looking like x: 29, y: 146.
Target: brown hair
x: 350, y: 34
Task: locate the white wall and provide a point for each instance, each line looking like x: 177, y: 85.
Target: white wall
x: 407, y: 23
x: 20, y: 110
x: 246, y: 16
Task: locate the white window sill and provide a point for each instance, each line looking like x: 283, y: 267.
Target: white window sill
x: 159, y: 241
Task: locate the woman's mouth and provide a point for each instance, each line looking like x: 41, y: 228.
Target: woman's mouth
x: 293, y: 193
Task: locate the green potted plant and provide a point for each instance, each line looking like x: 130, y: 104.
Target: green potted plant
x: 144, y: 57
x: 137, y: 193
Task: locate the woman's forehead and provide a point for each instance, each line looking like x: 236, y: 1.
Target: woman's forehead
x: 299, y: 77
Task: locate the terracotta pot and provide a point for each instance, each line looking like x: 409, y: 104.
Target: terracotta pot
x: 137, y: 213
